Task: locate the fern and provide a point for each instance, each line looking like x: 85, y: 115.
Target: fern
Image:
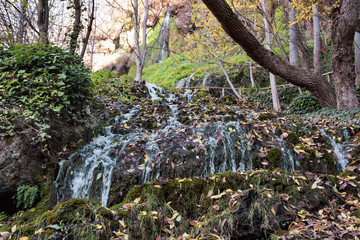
x: 26, y: 196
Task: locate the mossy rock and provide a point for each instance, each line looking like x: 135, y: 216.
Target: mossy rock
x: 274, y: 156
x: 67, y: 212
x: 292, y: 138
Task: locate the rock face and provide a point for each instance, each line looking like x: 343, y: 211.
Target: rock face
x: 22, y: 161
x: 120, y: 64
x: 182, y: 11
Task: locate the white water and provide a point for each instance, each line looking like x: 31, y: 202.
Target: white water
x: 185, y: 82
x: 164, y: 38
x: 154, y: 91
x: 288, y: 163
x: 97, y: 157
x: 205, y: 79
x: 339, y: 151
x: 223, y: 140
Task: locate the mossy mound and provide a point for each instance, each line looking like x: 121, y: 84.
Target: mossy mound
x: 243, y: 205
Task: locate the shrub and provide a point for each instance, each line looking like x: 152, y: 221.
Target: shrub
x: 38, y: 82
x: 304, y: 103
x: 287, y: 94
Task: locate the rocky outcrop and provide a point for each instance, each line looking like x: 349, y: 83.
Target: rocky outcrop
x: 118, y: 63
x: 182, y: 11
x: 25, y: 161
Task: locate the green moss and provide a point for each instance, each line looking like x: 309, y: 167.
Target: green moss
x: 275, y: 156
x: 68, y: 211
x: 168, y: 71
x: 133, y: 193
x: 292, y: 138
x: 330, y: 163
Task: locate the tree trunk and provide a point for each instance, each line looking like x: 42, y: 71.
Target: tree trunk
x: 21, y: 31
x: 43, y: 20
x: 317, y: 40
x: 89, y: 29
x: 140, y: 53
x: 274, y: 93
x: 251, y: 74
x: 76, y: 27
x: 293, y: 37
x: 342, y: 34
x: 308, y: 79
x: 357, y: 58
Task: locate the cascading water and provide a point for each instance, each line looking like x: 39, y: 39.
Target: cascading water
x: 288, y: 163
x: 207, y: 75
x: 223, y: 140
x: 185, y: 82
x: 339, y: 151
x: 96, y: 160
x: 154, y: 91
x: 163, y: 40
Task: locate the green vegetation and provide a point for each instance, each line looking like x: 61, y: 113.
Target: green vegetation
x: 38, y: 83
x: 304, y: 103
x: 26, y: 196
x: 169, y: 71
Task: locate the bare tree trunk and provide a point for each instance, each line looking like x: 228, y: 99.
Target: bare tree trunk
x: 43, y: 20
x: 89, y: 29
x: 76, y: 27
x: 251, y: 74
x: 21, y: 32
x: 343, y: 31
x: 357, y: 58
x: 293, y: 37
x: 140, y: 53
x: 317, y: 40
x: 308, y: 79
x: 294, y: 57
x: 274, y: 93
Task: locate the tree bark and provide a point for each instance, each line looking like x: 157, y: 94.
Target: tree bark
x: 308, y: 79
x: 357, y: 58
x: 342, y: 34
x: 43, y: 20
x: 22, y: 28
x: 140, y: 53
x: 317, y: 40
x: 89, y: 29
x: 76, y: 27
x: 293, y: 37
x: 274, y: 93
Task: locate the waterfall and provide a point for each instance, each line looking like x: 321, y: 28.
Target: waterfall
x: 94, y: 162
x: 339, y: 151
x: 224, y: 138
x: 288, y: 163
x: 205, y: 79
x: 163, y: 40
x: 154, y: 91
x: 185, y: 82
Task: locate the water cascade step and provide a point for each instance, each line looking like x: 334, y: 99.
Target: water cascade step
x: 339, y: 151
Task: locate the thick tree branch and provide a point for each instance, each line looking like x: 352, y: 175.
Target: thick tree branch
x: 308, y: 79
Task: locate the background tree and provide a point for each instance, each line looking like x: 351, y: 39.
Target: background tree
x: 317, y: 39
x: 308, y: 79
x: 274, y: 93
x: 43, y: 20
x: 357, y: 57
x: 76, y: 27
